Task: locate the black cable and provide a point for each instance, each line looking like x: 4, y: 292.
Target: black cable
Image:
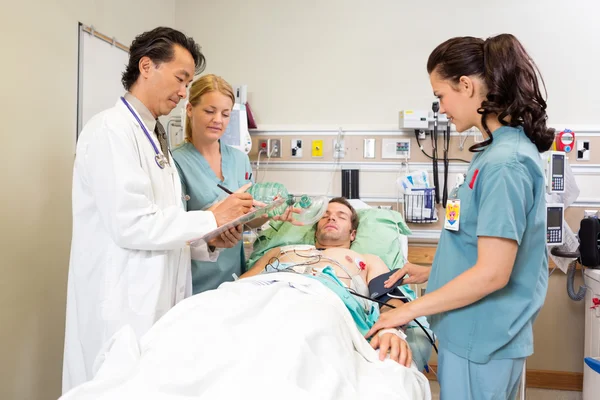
x: 391, y: 306
x: 431, y: 158
x: 428, y: 336
x: 434, y: 152
x: 446, y: 164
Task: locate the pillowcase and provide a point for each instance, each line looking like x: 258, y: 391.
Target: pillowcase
x: 378, y: 233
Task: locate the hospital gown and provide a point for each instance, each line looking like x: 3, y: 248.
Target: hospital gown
x: 199, y: 182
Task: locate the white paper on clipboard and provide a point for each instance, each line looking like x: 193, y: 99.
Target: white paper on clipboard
x: 244, y: 219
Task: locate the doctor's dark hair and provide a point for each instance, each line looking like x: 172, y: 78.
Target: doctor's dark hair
x: 158, y: 45
x: 353, y: 215
x: 512, y: 81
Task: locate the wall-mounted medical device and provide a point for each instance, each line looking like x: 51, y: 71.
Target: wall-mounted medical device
x: 555, y: 172
x: 395, y: 148
x: 564, y: 141
x: 237, y: 134
x: 433, y: 123
x: 554, y: 224
x: 420, y: 119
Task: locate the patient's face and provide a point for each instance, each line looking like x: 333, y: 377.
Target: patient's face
x: 335, y: 226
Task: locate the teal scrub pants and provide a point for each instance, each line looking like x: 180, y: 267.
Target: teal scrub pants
x: 461, y: 379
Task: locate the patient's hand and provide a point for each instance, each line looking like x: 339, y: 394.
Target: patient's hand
x: 398, y: 348
x: 288, y: 216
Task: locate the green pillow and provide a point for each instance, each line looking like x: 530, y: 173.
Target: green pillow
x: 377, y: 234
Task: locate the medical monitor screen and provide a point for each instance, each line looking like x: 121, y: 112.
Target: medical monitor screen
x: 558, y: 164
x: 554, y: 217
x: 232, y: 135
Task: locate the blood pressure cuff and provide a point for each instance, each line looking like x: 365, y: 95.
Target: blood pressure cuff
x: 379, y: 292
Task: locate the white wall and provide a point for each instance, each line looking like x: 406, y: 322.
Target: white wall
x: 38, y: 93
x: 357, y: 63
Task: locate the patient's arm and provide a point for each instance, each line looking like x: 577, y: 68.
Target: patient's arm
x: 262, y: 262
x: 375, y: 266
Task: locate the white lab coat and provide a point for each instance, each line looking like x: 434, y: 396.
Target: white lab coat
x: 129, y: 259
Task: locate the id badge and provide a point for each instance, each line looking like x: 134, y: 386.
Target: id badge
x: 452, y: 221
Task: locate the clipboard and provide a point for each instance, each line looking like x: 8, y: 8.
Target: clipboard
x: 244, y: 219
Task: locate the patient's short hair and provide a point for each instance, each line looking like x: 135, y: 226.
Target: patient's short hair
x: 354, y: 215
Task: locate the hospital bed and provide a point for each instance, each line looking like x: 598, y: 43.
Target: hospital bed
x: 271, y: 336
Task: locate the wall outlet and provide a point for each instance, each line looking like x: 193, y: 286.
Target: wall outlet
x: 369, y: 148
x: 583, y: 150
x: 296, y: 147
x: 275, y: 148
x: 317, y: 148
x: 263, y: 146
x: 339, y: 151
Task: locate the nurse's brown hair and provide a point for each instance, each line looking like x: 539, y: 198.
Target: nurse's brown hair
x: 511, y: 77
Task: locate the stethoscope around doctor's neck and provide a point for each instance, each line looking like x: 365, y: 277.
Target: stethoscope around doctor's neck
x: 159, y: 157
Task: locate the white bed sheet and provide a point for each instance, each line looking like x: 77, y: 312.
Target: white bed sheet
x: 272, y: 336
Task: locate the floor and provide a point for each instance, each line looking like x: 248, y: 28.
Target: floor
x: 532, y: 394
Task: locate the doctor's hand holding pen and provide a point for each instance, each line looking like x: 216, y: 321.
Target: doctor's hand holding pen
x: 233, y: 206
x: 286, y: 216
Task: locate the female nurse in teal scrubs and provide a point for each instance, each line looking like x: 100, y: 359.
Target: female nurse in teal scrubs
x: 489, y: 276
x: 203, y: 162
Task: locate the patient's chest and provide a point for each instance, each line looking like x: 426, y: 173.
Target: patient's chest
x: 345, y: 262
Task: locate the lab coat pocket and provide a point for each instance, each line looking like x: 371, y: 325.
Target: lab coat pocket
x: 147, y: 284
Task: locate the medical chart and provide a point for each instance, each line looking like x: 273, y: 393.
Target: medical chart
x: 244, y: 219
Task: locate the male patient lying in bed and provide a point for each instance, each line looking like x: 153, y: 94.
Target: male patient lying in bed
x: 271, y: 336
x: 334, y: 234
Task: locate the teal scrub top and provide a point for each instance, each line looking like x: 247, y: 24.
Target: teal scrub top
x: 507, y: 200
x: 199, y: 182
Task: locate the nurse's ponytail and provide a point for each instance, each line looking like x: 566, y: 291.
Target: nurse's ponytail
x: 512, y: 80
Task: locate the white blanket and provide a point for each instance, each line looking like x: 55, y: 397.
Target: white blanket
x: 273, y: 336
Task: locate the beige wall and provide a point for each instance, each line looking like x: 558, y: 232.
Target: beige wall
x: 39, y: 89
x: 357, y: 63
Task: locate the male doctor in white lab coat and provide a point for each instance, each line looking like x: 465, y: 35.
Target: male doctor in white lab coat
x: 130, y: 262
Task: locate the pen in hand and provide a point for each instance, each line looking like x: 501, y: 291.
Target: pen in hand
x: 254, y: 202
x: 223, y: 188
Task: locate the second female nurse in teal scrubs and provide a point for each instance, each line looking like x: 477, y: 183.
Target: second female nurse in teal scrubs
x: 203, y: 162
x: 489, y: 275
